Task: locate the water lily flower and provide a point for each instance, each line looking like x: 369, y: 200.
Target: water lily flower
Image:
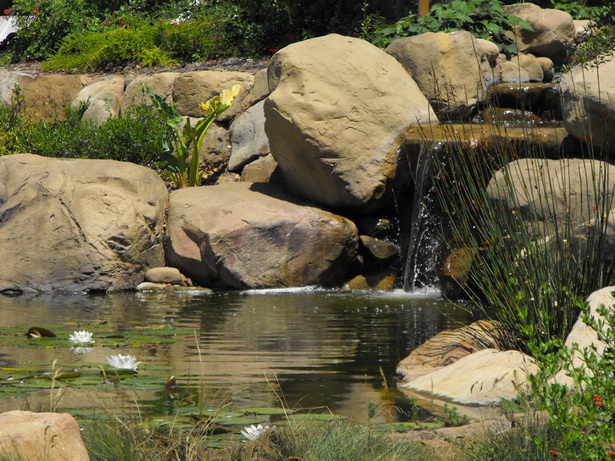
x: 123, y: 362
x: 252, y: 432
x: 81, y: 337
x: 81, y: 350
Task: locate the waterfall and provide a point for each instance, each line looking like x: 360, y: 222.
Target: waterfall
x: 424, y: 246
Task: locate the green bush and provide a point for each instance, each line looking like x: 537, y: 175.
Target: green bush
x: 583, y: 415
x: 483, y: 18
x: 136, y: 136
x: 43, y: 24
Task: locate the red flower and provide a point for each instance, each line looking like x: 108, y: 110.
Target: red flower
x: 112, y: 15
x: 7, y: 11
x: 610, y: 454
x: 597, y: 399
x: 36, y: 12
x: 273, y: 50
x: 553, y: 452
x: 598, y: 404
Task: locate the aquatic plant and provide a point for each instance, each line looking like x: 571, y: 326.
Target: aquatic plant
x: 123, y: 362
x: 81, y: 337
x: 186, y: 142
x: 253, y: 432
x: 533, y: 256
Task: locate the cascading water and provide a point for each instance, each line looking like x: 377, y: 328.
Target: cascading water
x: 425, y: 242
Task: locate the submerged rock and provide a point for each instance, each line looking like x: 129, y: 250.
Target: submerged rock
x: 243, y: 235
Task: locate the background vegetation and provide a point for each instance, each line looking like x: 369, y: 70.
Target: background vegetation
x: 79, y: 34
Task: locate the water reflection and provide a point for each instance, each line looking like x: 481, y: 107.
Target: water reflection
x: 310, y: 348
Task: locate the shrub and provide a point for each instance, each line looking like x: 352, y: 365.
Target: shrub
x: 43, y: 24
x: 136, y: 136
x: 483, y: 18
x: 114, y: 47
x: 583, y: 416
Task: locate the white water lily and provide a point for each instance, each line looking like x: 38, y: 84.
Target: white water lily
x: 81, y: 350
x: 252, y: 432
x: 123, y: 362
x: 81, y: 337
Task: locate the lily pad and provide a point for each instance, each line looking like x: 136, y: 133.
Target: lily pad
x: 269, y: 411
x: 316, y: 417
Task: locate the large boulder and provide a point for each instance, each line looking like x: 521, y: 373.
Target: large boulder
x: 584, y: 336
x: 41, y: 436
x: 588, y: 103
x: 482, y: 378
x: 334, y: 118
x: 243, y: 235
x: 552, y: 34
x: 78, y: 225
x: 452, y: 69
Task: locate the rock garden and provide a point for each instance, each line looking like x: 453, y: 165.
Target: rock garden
x: 436, y: 159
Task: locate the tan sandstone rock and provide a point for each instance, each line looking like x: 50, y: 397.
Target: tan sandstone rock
x: 78, y: 225
x: 337, y: 108
x: 452, y: 69
x: 104, y: 98
x: 244, y: 235
x: 449, y: 346
x: 588, y: 103
x: 553, y: 30
x: 193, y: 88
x: 26, y: 435
x: 47, y: 95
x: 161, y: 84
x: 482, y: 378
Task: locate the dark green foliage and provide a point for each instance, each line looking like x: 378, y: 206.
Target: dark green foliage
x: 43, y: 24
x: 136, y: 136
x: 483, y: 18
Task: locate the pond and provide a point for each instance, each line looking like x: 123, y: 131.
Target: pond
x: 305, y: 348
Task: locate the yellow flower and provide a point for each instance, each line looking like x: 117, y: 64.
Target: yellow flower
x: 221, y: 102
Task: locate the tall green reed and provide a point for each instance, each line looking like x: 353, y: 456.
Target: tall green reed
x: 538, y: 228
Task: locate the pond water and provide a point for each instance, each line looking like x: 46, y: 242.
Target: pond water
x: 306, y: 348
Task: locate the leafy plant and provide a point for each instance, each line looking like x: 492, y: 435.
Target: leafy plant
x: 483, y: 18
x: 185, y: 166
x: 42, y: 26
x: 583, y: 415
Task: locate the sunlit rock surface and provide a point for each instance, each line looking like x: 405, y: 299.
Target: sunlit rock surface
x: 588, y: 103
x: 333, y: 119
x: 45, y: 436
x: 78, y: 225
x: 452, y: 70
x: 244, y: 235
x: 482, y: 378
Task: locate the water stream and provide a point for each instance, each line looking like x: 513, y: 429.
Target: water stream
x: 309, y: 347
